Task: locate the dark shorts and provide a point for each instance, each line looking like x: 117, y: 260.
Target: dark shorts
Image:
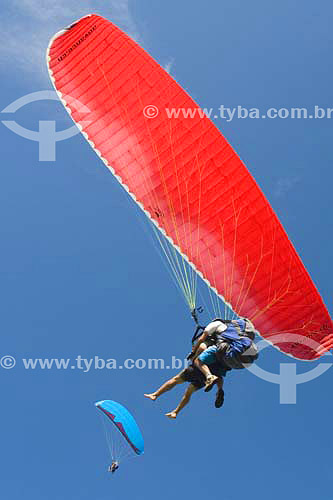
x: 194, y: 376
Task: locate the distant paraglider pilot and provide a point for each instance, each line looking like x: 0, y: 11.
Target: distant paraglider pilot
x: 114, y: 466
x: 123, y: 426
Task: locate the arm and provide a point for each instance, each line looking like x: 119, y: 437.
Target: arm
x: 212, y: 328
x: 201, y: 339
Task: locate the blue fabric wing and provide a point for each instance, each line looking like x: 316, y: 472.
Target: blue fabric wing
x: 124, y: 422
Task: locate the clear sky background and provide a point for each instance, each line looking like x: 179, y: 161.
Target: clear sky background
x: 80, y: 277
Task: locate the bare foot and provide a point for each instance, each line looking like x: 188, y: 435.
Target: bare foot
x: 151, y: 396
x: 172, y: 414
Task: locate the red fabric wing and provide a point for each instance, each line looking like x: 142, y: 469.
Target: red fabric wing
x: 189, y: 180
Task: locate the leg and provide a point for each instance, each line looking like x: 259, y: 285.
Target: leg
x: 203, y: 368
x: 184, y: 401
x: 201, y: 348
x: 167, y: 386
x: 220, y: 383
x: 204, y: 360
x: 219, y: 400
x: 207, y: 357
x: 198, y: 363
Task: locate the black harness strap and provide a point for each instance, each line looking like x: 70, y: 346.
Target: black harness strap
x: 197, y: 333
x: 199, y: 329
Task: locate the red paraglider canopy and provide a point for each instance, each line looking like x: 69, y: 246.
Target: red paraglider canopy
x: 189, y: 181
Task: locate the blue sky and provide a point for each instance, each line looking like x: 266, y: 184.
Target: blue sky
x: 79, y: 276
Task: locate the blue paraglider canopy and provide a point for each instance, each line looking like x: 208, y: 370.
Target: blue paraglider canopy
x: 124, y: 422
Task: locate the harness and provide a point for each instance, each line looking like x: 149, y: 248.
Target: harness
x: 234, y: 343
x: 199, y: 329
